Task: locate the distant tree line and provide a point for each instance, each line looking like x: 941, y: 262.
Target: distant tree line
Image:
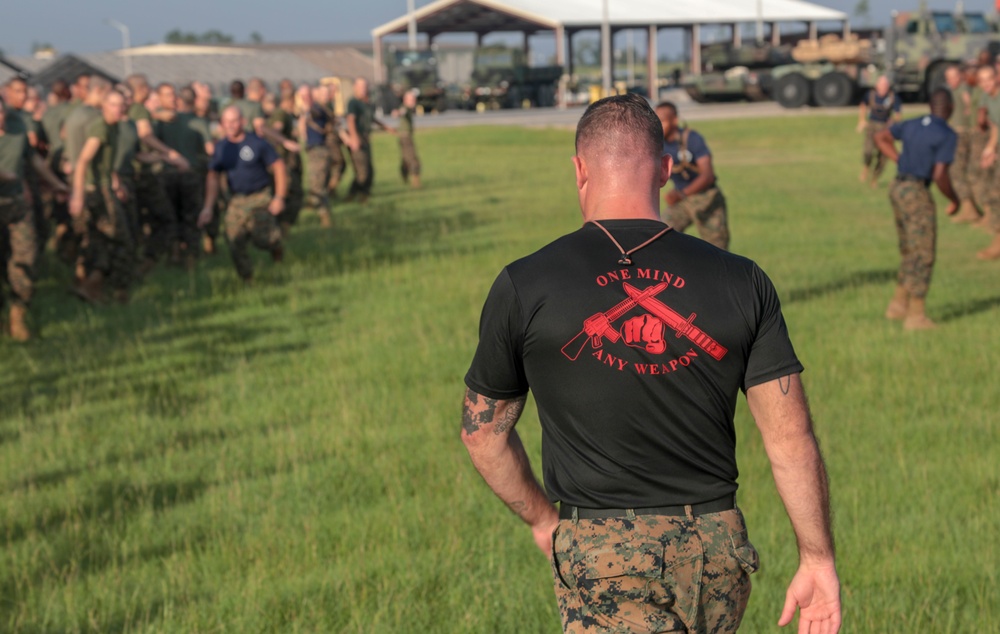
x: 213, y: 36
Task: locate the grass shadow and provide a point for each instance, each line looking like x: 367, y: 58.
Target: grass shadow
x: 854, y: 280
x: 951, y: 312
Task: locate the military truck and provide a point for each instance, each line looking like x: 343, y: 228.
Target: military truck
x: 733, y: 73
x: 412, y: 70
x: 501, y: 78
x: 916, y: 50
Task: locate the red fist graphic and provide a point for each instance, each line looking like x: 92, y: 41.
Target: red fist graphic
x: 646, y: 332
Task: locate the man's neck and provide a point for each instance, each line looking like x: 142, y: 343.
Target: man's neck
x: 238, y: 139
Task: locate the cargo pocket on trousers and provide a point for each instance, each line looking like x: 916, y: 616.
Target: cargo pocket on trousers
x: 558, y: 568
x: 744, y: 552
x: 619, y: 574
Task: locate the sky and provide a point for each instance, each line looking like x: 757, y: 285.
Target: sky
x: 78, y: 26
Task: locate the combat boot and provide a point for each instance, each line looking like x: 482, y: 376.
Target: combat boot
x: 916, y: 316
x: 991, y: 252
x: 18, y: 323
x: 91, y: 289
x: 415, y: 181
x: 278, y: 254
x: 898, y: 305
x: 966, y: 213
x: 324, y: 219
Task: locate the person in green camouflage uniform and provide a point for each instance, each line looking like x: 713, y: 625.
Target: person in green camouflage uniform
x: 157, y: 213
x: 928, y: 149
x: 409, y: 166
x: 990, y: 112
x: 966, y: 100
x: 54, y: 210
x: 312, y: 129
x: 334, y: 142
x: 696, y: 197
x: 183, y: 187
x: 879, y: 107
x: 360, y: 119
x: 282, y: 120
x: 96, y: 206
x: 18, y: 241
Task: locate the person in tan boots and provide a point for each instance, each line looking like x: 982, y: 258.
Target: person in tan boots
x: 928, y: 149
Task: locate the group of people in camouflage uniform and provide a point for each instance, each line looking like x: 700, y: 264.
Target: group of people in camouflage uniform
x: 122, y: 177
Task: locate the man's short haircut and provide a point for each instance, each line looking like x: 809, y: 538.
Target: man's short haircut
x: 60, y: 89
x: 621, y: 125
x: 16, y: 79
x: 136, y: 80
x: 940, y: 100
x: 87, y: 76
x: 186, y: 95
x: 237, y: 89
x: 987, y: 67
x: 669, y: 105
x: 99, y: 84
x: 164, y: 84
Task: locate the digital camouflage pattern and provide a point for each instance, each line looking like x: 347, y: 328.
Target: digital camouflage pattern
x: 916, y: 225
x: 295, y: 194
x: 318, y: 172
x: 18, y: 247
x: 185, y: 192
x: 364, y: 172
x: 870, y: 151
x: 248, y: 220
x: 108, y: 245
x: 653, y: 573
x: 157, y: 213
x: 707, y: 210
x: 409, y: 161
x: 959, y: 170
x: 981, y: 181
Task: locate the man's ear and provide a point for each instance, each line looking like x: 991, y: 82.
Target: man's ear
x: 581, y: 172
x: 666, y: 167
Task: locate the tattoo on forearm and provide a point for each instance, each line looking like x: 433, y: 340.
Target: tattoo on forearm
x: 479, y: 410
x: 510, y: 415
x: 785, y: 383
x: 518, y: 507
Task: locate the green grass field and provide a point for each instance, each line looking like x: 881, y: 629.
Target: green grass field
x: 287, y: 458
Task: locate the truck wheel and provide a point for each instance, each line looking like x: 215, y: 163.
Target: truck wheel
x: 833, y: 90
x: 792, y: 91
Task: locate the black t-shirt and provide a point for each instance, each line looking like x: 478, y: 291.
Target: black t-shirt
x: 646, y: 417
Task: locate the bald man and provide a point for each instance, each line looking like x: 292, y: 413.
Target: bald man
x: 360, y: 119
x: 249, y: 164
x: 636, y: 403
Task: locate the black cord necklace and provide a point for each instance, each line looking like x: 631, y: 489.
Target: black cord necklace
x: 625, y: 259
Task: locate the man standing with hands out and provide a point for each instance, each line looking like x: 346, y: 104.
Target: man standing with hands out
x: 638, y: 438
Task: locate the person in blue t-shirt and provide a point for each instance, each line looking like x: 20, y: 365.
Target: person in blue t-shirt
x: 696, y: 196
x: 880, y: 104
x: 249, y: 163
x: 928, y: 149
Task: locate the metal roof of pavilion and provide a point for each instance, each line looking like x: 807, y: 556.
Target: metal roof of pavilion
x: 484, y: 16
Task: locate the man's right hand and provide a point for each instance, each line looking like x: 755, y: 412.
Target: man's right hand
x: 861, y: 127
x: 204, y: 217
x: 76, y: 206
x: 815, y: 591
x: 543, y: 533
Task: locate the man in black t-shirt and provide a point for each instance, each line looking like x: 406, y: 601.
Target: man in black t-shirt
x: 635, y: 341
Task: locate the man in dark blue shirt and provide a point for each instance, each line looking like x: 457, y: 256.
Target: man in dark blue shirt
x: 928, y: 149
x: 696, y: 196
x: 249, y: 163
x: 880, y: 104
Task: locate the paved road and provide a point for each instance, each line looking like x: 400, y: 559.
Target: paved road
x: 553, y: 117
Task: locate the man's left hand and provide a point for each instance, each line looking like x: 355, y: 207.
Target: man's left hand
x: 277, y: 206
x: 674, y: 197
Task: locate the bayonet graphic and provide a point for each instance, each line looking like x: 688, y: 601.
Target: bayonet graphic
x: 599, y: 326
x: 683, y: 327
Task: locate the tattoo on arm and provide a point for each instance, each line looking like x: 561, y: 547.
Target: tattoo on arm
x: 785, y: 383
x: 510, y: 415
x: 479, y: 410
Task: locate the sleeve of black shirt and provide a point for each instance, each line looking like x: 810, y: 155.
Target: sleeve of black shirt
x: 497, y: 369
x: 771, y: 355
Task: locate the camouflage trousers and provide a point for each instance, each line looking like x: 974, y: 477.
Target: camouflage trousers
x: 707, y: 210
x: 295, y: 195
x: 983, y: 185
x: 959, y: 170
x: 871, y: 151
x: 318, y: 171
x: 185, y: 191
x: 248, y: 220
x: 337, y: 163
x: 653, y: 573
x: 409, y: 161
x: 364, y: 172
x: 18, y: 248
x: 157, y: 215
x: 107, y: 240
x: 916, y: 225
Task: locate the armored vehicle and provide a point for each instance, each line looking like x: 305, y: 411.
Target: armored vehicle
x: 501, y: 78
x: 413, y: 70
